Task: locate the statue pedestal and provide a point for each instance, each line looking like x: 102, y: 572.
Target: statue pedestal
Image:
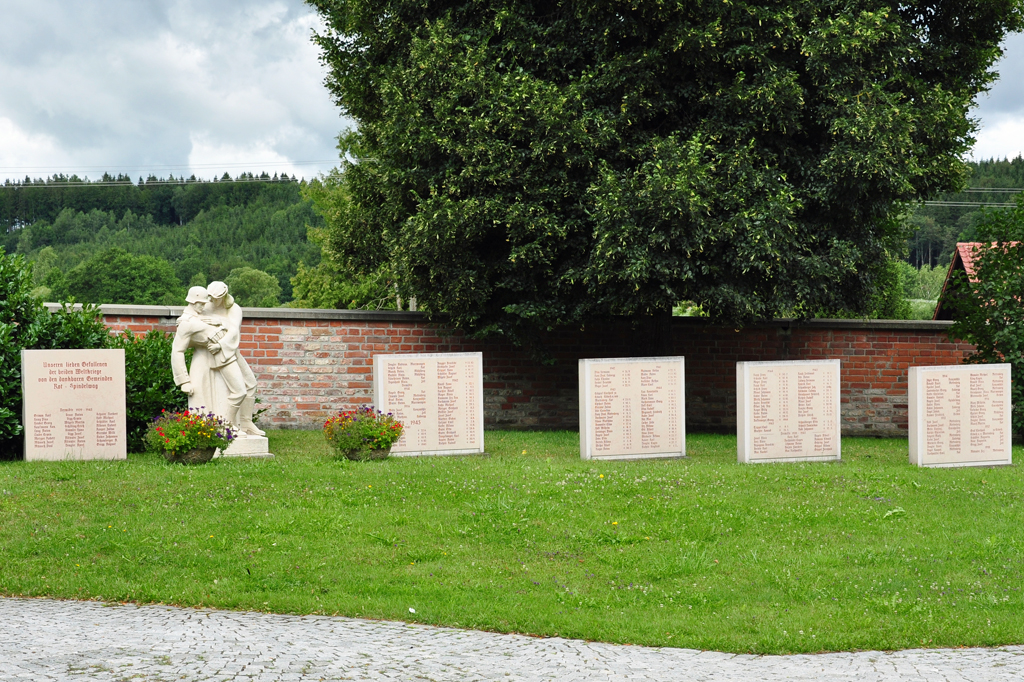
x: 247, y: 446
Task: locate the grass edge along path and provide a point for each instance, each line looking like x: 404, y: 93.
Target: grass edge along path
x: 704, y: 553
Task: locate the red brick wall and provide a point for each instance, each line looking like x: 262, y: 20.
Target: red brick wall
x: 312, y: 363
x: 875, y: 358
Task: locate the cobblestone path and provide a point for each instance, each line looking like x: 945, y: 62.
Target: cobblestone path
x: 56, y: 640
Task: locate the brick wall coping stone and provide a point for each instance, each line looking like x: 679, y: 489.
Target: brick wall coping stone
x: 172, y: 312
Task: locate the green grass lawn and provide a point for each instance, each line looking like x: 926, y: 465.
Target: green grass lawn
x: 703, y: 553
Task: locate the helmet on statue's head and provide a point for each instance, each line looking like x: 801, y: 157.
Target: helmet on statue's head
x: 217, y: 289
x: 196, y: 294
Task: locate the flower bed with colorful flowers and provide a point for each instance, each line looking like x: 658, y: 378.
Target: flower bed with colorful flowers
x: 356, y: 433
x: 190, y: 430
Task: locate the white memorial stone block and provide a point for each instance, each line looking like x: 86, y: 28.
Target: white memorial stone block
x: 632, y: 408
x: 960, y: 415
x: 787, y: 411
x: 438, y: 397
x: 74, y: 404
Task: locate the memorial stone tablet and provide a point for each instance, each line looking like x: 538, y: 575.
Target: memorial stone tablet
x: 787, y: 411
x: 960, y: 415
x: 438, y: 397
x: 632, y: 408
x: 74, y: 404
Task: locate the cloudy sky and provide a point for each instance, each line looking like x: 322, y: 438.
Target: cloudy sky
x: 170, y: 86
x: 208, y: 86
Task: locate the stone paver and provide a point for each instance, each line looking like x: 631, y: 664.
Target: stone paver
x: 43, y: 639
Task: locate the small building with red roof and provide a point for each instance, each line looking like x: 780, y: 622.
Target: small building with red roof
x: 963, y: 259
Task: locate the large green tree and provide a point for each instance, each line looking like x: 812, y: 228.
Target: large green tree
x: 254, y: 288
x: 519, y: 163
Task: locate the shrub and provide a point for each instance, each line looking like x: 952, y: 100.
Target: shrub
x: 149, y: 382
x: 69, y: 327
x: 18, y: 311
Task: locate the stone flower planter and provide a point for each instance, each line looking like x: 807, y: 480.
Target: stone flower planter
x: 194, y: 456
x: 359, y: 455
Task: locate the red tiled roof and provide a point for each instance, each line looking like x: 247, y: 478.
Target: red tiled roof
x: 966, y: 251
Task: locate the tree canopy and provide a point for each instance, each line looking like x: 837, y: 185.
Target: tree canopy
x: 520, y: 163
x: 253, y: 288
x: 325, y: 285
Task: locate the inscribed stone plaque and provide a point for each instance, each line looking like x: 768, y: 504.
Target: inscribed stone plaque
x: 74, y: 404
x: 632, y: 408
x: 787, y: 411
x: 438, y: 397
x: 960, y: 415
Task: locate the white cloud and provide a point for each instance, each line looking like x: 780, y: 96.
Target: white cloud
x: 1001, y: 137
x: 123, y: 86
x: 1001, y: 110
x: 211, y: 157
x: 27, y: 151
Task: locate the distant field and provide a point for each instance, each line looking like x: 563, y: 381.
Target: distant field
x: 870, y: 553
x: 922, y: 309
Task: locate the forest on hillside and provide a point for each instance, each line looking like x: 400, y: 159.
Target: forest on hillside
x: 113, y: 240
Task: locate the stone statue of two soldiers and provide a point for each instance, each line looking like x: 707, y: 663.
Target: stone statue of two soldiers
x: 219, y: 379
